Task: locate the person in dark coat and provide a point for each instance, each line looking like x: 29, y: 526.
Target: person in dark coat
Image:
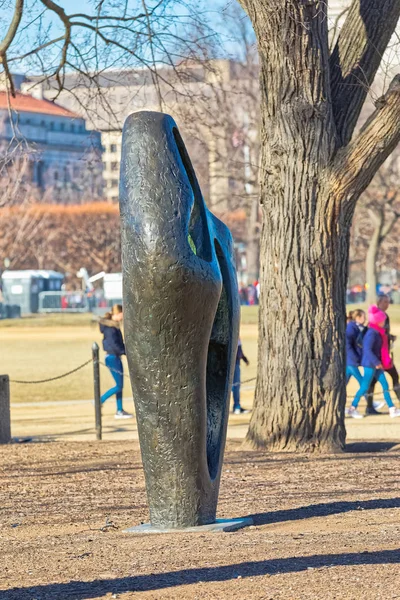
x: 237, y: 409
x: 113, y: 345
x: 375, y: 359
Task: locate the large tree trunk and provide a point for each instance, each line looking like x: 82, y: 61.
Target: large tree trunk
x: 253, y: 243
x: 300, y: 394
x: 304, y: 243
x: 310, y: 182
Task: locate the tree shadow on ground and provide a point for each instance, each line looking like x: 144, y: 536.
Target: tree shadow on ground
x: 323, y: 510
x: 82, y: 590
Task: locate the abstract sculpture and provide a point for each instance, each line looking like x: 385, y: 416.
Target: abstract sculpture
x: 181, y: 315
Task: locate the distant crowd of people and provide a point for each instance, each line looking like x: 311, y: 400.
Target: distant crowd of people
x: 358, y: 293
x: 249, y: 295
x: 370, y: 346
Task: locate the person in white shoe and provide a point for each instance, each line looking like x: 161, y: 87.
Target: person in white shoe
x: 113, y: 345
x: 375, y: 359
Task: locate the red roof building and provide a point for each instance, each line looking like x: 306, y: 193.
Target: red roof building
x: 65, y: 158
x: 26, y: 103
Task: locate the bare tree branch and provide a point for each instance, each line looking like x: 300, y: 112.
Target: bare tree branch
x: 60, y: 12
x: 12, y: 30
x: 356, y: 58
x: 356, y: 164
x: 37, y: 49
x: 8, y: 39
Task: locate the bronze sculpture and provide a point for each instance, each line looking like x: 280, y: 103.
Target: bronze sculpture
x: 181, y: 312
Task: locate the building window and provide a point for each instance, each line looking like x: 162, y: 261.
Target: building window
x: 62, y: 126
x: 42, y: 123
x: 28, y: 121
x: 55, y: 175
x: 105, y: 166
x: 114, y: 198
x: 113, y: 147
x: 81, y: 128
x: 114, y: 182
x: 51, y: 125
x: 114, y: 166
x: 72, y: 127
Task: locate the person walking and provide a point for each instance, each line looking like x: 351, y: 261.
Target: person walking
x: 113, y: 345
x: 354, y: 331
x: 375, y: 359
x: 382, y: 304
x: 237, y: 409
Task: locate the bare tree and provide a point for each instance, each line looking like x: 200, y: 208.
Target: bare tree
x: 313, y: 170
x: 61, y: 237
x: 75, y: 51
x: 224, y: 121
x: 376, y: 217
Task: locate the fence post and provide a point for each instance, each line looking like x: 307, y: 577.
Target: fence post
x: 5, y: 418
x: 96, y: 381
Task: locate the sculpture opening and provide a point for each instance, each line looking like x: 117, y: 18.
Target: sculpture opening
x: 218, y: 384
x: 197, y: 231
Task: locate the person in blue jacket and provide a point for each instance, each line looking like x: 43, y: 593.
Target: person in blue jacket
x: 113, y: 345
x: 355, y: 332
x: 354, y: 329
x: 375, y: 353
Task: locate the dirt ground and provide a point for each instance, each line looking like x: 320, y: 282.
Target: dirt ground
x: 325, y: 527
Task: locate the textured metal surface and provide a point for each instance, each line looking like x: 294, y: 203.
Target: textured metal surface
x: 181, y: 313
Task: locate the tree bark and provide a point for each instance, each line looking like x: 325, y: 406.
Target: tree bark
x: 253, y: 243
x: 309, y: 186
x: 356, y: 58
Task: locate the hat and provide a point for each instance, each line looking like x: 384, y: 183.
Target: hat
x: 376, y: 315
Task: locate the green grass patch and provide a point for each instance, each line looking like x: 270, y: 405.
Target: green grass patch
x: 249, y: 315
x: 51, y: 320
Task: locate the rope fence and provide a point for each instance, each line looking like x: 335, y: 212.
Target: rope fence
x: 35, y: 381
x: 95, y: 361
x: 103, y: 364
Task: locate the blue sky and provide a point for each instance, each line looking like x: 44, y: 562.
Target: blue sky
x: 212, y: 15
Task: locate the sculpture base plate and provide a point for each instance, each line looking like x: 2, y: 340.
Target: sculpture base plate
x: 219, y: 525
